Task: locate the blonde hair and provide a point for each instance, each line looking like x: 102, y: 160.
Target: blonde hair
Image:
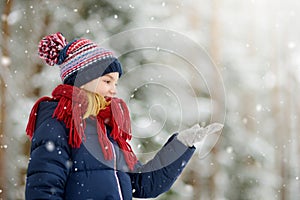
x: 96, y: 102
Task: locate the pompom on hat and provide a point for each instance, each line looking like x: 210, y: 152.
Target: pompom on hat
x: 80, y: 61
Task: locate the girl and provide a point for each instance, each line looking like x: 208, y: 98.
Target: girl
x: 79, y: 136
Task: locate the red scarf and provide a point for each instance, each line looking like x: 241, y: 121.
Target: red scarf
x: 72, y: 105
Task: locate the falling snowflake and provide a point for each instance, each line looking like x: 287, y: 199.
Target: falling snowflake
x: 50, y: 146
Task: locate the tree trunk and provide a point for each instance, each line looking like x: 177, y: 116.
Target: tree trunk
x: 5, y: 64
x: 214, y: 51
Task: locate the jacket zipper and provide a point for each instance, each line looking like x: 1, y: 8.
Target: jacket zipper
x: 115, y: 173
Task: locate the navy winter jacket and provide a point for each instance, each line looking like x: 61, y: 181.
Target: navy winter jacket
x: 57, y: 171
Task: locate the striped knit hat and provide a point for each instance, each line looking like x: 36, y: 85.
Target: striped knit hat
x: 80, y: 60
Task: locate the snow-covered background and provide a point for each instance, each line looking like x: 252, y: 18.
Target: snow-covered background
x: 236, y: 62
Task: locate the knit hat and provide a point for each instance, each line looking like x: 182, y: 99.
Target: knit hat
x: 80, y: 61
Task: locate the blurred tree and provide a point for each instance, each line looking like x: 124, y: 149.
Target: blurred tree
x: 5, y: 65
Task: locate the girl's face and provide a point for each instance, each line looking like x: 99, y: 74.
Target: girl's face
x: 104, y: 85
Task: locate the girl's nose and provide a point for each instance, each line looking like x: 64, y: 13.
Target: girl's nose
x: 113, y: 91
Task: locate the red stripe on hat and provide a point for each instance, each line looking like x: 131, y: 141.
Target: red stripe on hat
x: 78, y: 44
x: 79, y: 52
x: 64, y: 75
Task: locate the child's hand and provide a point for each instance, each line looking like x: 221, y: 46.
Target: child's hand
x: 196, y: 133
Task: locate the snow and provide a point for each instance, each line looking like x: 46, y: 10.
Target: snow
x: 179, y: 58
x: 5, y: 61
x: 50, y: 146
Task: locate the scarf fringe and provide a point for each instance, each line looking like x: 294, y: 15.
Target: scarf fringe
x: 76, y: 125
x: 121, y: 113
x: 117, y: 116
x: 32, y: 116
x: 130, y: 157
x: 103, y: 140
